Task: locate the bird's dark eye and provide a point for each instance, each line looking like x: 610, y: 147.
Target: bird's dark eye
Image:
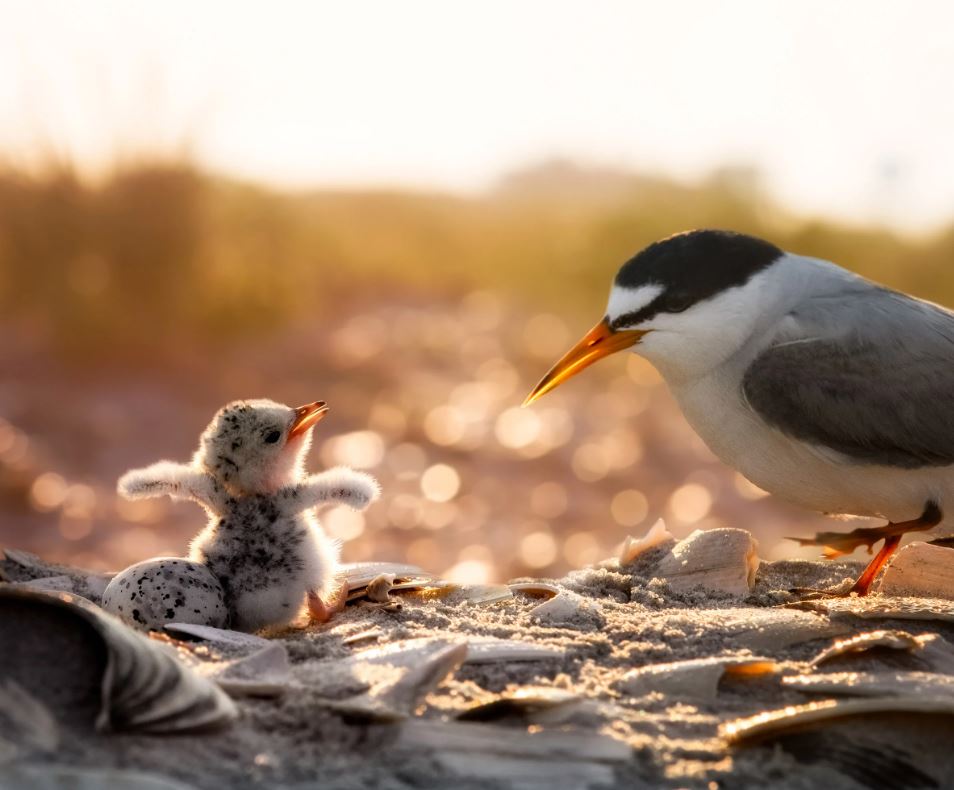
x: 273, y: 436
x: 678, y: 303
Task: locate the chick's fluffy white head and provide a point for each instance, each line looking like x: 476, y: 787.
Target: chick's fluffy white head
x: 249, y: 448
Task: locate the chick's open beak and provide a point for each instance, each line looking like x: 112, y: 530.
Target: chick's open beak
x: 306, y: 416
x: 599, y: 342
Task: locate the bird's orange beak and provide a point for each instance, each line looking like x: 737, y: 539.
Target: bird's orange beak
x: 599, y: 342
x: 306, y: 417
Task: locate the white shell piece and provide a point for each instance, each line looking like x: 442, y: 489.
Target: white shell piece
x: 926, y: 685
x: 96, y: 583
x: 37, y: 776
x: 528, y: 773
x: 396, y: 677
x: 218, y: 636
x: 716, y: 560
x: 264, y: 673
x: 530, y: 704
x: 777, y: 721
x: 371, y: 634
x: 772, y: 629
x: 883, y: 607
x: 86, y: 583
x: 144, y: 688
x: 535, y: 589
x: 920, y: 569
x: 49, y: 583
x: 494, y: 742
x: 477, y: 594
x: 491, y: 651
x: 154, y: 592
x: 634, y: 547
x: 35, y: 727
x: 379, y: 588
x: 863, y: 643
x: 481, y: 594
x: 23, y: 558
x: 692, y: 679
x: 565, y: 609
x: 360, y: 574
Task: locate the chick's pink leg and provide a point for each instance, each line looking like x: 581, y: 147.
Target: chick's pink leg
x: 321, y: 611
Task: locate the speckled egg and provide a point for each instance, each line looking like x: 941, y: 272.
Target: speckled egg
x: 152, y: 593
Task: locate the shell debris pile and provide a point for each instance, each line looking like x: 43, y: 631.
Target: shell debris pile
x: 675, y: 669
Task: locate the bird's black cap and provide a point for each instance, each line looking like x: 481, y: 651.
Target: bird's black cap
x: 692, y: 267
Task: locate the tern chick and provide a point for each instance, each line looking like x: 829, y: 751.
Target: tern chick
x: 819, y: 386
x: 262, y: 542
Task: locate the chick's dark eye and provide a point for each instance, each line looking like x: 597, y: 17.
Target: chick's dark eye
x: 273, y: 436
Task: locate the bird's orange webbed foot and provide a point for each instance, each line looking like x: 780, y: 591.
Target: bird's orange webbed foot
x: 322, y: 611
x: 838, y: 543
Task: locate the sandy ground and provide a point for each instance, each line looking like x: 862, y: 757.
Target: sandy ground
x: 614, y: 735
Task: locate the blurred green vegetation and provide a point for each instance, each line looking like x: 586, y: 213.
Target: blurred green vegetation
x: 159, y: 253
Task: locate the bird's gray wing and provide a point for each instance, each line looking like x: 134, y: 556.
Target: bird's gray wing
x: 868, y: 373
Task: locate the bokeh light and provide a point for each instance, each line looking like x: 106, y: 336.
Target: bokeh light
x: 538, y: 549
x: 440, y: 483
x: 629, y: 507
x: 690, y: 503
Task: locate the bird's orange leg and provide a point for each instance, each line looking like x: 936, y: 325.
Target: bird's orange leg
x: 838, y: 543
x: 863, y: 584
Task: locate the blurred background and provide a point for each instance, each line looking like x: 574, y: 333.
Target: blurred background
x: 410, y: 211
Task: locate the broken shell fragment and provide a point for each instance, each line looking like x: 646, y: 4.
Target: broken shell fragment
x: 920, y: 569
x: 528, y: 705
x: 369, y: 635
x: 49, y: 584
x: 695, y: 678
x: 535, y: 589
x: 454, y: 592
x: 881, y: 607
x: 25, y: 560
x: 358, y: 575
x: 152, y: 593
x: 222, y: 637
x: 42, y: 575
x: 633, y: 547
x: 386, y: 583
x: 378, y: 594
x: 26, y: 724
x: 515, y: 757
x: 823, y: 712
x: 393, y: 679
x: 379, y: 588
x: 928, y: 646
x: 774, y: 629
x: 263, y: 673
x: 567, y: 609
x: 716, y: 560
x: 492, y: 651
x: 116, y: 678
x: 924, y: 685
x: 47, y: 776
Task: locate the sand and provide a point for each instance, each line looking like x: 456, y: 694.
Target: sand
x: 625, y: 619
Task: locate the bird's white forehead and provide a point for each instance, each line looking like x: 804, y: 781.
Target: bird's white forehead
x: 624, y: 300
